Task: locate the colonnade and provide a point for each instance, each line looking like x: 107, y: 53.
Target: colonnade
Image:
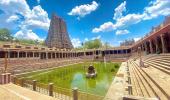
x: 155, y: 44
x: 60, y: 54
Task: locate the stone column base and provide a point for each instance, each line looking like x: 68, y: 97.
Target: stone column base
x: 5, y: 78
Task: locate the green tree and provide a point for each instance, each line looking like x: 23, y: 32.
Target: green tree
x: 93, y: 44
x: 5, y: 35
x: 42, y: 43
x: 106, y: 45
x: 28, y: 41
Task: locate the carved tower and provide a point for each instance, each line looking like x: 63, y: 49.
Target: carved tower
x: 57, y: 34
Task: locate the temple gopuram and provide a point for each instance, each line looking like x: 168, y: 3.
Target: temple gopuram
x: 57, y: 34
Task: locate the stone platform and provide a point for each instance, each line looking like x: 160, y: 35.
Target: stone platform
x: 116, y: 89
x: 13, y: 92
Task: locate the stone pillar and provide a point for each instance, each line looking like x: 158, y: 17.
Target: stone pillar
x: 146, y: 48
x: 51, y: 55
x: 14, y: 79
x: 18, y: 54
x: 42, y: 55
x: 46, y: 55
x: 22, y: 82
x: 69, y: 55
x: 39, y: 55
x: 151, y: 46
x: 72, y: 54
x: 75, y: 94
x: 125, y: 51
x: 50, y: 87
x: 55, y: 55
x: 61, y: 55
x: 156, y: 44
x: 34, y: 85
x: 5, y: 78
x: 65, y: 55
x: 8, y: 54
x: 142, y: 47
x: 26, y: 55
x: 164, y: 49
x: 33, y: 54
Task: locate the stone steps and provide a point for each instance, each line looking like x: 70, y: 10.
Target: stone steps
x: 25, y: 94
x: 166, y: 63
x: 156, y: 57
x: 149, y: 56
x: 161, y: 78
x: 162, y: 64
x: 162, y: 68
x: 160, y: 88
x: 135, y: 88
x: 147, y: 87
x: 141, y: 81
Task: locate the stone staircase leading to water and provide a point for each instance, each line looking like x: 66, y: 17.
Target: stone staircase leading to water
x: 151, y: 81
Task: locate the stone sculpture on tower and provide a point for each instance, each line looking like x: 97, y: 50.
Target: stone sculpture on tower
x: 57, y: 34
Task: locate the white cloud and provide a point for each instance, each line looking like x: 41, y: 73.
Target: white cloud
x: 37, y: 18
x: 83, y: 10
x: 137, y: 38
x: 120, y: 23
x: 128, y: 20
x: 12, y: 18
x: 119, y: 10
x: 28, y: 18
x: 155, y: 9
x: 76, y: 42
x: 11, y: 8
x: 86, y: 39
x: 108, y: 26
x: 97, y: 37
x: 27, y: 34
x: 120, y: 32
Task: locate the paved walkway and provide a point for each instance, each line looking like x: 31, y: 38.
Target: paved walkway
x: 14, y: 92
x: 116, y: 90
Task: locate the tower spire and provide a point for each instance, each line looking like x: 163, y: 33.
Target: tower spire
x: 57, y: 34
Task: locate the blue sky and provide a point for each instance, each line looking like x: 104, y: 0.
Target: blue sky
x: 112, y: 21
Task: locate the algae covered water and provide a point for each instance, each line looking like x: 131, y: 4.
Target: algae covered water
x: 75, y: 76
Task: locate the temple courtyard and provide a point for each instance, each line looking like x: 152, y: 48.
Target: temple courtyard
x: 84, y: 50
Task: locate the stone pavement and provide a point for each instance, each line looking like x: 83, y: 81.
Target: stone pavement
x: 14, y: 92
x: 116, y: 89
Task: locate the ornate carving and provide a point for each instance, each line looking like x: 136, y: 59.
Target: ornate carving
x: 57, y: 34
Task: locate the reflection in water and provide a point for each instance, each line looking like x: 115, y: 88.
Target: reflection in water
x: 91, y: 85
x: 75, y: 76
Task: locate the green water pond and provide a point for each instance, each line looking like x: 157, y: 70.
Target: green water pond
x: 75, y: 76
